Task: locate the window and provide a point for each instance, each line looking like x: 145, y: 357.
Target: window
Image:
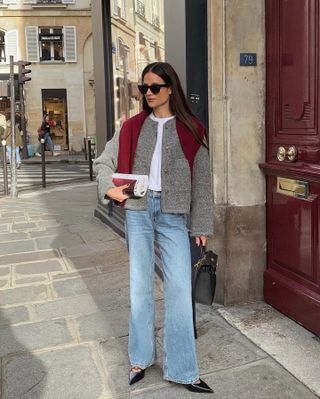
x: 2, y: 46
x: 51, y: 44
x: 119, y: 9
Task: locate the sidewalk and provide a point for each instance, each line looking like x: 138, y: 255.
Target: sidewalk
x: 63, y: 157
x: 64, y: 310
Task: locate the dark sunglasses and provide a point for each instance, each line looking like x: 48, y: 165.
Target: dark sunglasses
x: 155, y: 89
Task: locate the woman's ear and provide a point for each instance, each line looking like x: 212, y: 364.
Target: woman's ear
x: 169, y: 90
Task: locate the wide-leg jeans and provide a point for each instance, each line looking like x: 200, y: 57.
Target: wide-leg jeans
x: 143, y: 228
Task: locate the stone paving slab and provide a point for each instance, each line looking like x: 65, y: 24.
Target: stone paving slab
x: 39, y: 267
x: 23, y: 295
x: 5, y: 237
x: 81, y: 250
x: 32, y: 336
x: 105, y: 260
x: 15, y: 247
x: 23, y: 226
x: 103, y: 325
x: 62, y: 240
x: 31, y: 280
x: 94, y: 285
x: 289, y: 343
x: 4, y: 271
x: 49, y: 231
x: 17, y: 314
x: 28, y: 256
x: 61, y: 374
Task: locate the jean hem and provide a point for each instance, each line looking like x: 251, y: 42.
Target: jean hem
x: 180, y: 381
x: 142, y: 366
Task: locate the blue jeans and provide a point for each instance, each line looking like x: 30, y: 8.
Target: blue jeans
x: 169, y: 230
x: 18, y: 158
x: 48, y: 140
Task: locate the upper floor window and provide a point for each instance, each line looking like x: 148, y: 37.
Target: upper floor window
x: 120, y: 8
x: 141, y: 8
x: 51, y: 44
x: 2, y: 46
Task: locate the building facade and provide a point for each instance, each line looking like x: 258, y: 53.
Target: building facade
x: 56, y: 37
x: 250, y: 69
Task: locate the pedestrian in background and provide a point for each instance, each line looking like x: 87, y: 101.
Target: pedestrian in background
x: 169, y: 144
x: 44, y: 133
x: 18, y: 142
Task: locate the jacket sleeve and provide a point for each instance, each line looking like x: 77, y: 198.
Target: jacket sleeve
x: 104, y: 166
x: 201, y: 215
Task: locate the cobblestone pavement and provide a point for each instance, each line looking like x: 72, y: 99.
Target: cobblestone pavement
x: 64, y: 310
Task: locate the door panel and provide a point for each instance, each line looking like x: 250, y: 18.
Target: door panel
x: 294, y: 251
x: 292, y: 278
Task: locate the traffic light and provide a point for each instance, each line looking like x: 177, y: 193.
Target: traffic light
x: 23, y: 71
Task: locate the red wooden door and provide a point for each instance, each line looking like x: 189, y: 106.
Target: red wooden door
x: 292, y: 168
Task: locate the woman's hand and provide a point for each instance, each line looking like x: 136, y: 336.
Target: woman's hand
x: 201, y: 240
x: 116, y: 193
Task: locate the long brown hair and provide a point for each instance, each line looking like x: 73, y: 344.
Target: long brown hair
x: 178, y: 103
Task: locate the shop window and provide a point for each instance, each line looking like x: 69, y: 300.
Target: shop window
x: 51, y: 44
x: 133, y: 53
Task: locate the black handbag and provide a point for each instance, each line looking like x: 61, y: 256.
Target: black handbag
x: 204, y: 277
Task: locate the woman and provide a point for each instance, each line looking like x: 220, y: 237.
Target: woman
x: 45, y: 129
x: 167, y: 143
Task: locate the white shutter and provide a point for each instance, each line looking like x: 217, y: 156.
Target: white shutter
x: 68, y: 1
x: 30, y: 1
x: 32, y: 43
x: 11, y: 43
x: 70, y: 43
x: 9, y: 1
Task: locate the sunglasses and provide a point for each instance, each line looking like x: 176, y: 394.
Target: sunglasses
x: 155, y: 89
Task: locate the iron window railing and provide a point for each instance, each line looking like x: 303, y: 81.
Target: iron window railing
x: 141, y: 9
x: 49, y: 1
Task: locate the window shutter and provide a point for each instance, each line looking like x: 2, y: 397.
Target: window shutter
x: 30, y: 1
x: 70, y: 44
x: 32, y: 43
x: 11, y: 43
x: 68, y: 1
x: 9, y: 1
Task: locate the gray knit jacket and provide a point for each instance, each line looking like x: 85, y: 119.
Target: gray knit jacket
x: 180, y: 193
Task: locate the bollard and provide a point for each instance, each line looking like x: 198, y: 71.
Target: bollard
x: 85, y: 149
x: 90, y: 160
x: 5, y: 171
x: 43, y: 162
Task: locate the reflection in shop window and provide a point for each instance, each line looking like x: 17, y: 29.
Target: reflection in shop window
x: 2, y: 46
x: 138, y: 39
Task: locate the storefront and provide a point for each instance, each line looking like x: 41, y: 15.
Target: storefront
x: 54, y: 104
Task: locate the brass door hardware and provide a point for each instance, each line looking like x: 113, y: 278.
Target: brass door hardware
x: 290, y: 154
x: 292, y: 187
x: 281, y: 154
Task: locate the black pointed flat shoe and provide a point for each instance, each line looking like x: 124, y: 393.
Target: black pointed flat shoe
x: 135, y: 376
x: 202, y: 387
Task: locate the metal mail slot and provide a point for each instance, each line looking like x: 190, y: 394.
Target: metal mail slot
x: 293, y: 188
